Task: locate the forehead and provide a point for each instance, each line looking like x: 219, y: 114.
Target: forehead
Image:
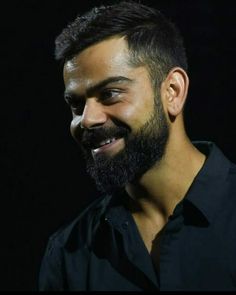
x: 106, y: 58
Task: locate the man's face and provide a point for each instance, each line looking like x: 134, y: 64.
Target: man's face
x: 124, y: 129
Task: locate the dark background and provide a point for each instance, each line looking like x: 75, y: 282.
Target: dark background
x: 43, y: 184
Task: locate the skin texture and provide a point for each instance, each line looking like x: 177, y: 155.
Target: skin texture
x: 118, y: 95
x: 154, y: 195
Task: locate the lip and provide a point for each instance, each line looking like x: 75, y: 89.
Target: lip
x: 108, y: 148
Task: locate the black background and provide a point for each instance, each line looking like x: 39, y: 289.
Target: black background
x: 43, y: 184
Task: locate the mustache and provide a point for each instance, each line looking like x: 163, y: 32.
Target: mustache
x: 91, y: 138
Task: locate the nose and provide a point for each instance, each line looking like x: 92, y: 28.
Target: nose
x: 93, y: 116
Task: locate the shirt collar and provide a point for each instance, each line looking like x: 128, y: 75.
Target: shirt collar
x: 210, y: 186
x: 203, y: 198
x: 116, y: 214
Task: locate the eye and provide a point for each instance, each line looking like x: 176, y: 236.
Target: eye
x: 108, y: 95
x: 76, y: 105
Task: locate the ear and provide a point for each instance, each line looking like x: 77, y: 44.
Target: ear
x: 174, y: 91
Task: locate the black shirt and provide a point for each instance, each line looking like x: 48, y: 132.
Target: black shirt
x: 102, y: 249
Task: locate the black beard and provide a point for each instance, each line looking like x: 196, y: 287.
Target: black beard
x: 142, y: 151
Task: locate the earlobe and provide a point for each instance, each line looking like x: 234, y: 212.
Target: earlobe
x: 176, y: 91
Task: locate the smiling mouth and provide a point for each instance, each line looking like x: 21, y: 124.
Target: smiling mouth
x: 106, y: 145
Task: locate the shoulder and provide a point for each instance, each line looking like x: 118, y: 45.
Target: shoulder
x: 79, y: 231
x: 66, y: 241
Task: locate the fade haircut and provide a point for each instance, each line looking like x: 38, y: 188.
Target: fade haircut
x: 153, y: 40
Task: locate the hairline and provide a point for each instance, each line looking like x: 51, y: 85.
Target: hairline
x: 132, y: 60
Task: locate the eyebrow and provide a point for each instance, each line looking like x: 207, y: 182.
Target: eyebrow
x: 94, y: 88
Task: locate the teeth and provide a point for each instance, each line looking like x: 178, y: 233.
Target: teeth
x: 107, y: 141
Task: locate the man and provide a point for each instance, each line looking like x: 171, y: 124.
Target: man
x: 166, y: 217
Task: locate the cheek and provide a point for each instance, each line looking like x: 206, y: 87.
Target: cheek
x: 135, y: 114
x: 75, y: 129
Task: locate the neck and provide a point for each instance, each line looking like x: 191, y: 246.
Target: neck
x: 160, y: 189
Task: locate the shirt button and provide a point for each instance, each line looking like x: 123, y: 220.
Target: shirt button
x: 125, y: 225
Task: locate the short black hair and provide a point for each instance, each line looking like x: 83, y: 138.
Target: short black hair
x: 152, y: 39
